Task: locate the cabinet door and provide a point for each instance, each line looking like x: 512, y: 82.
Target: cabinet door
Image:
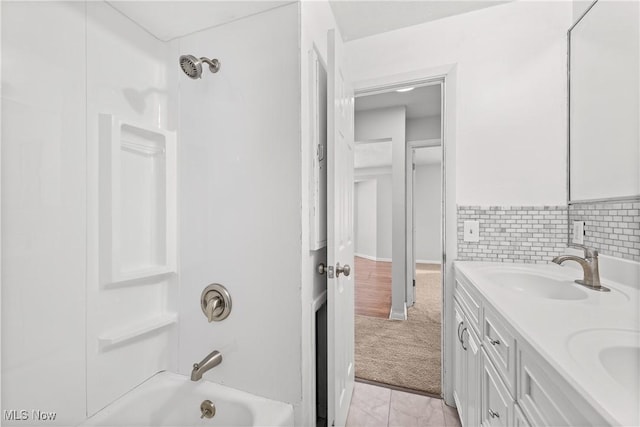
x: 496, y: 407
x: 473, y: 367
x: 459, y: 374
x: 519, y: 420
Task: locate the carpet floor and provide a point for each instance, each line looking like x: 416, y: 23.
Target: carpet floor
x: 405, y: 353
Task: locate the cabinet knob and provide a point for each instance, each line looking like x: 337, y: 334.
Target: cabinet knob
x: 494, y: 342
x: 493, y: 414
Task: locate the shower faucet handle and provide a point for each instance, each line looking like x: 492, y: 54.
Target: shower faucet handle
x: 215, y: 306
x: 215, y: 302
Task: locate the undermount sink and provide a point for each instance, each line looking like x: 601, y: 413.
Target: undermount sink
x: 537, y: 285
x: 613, y: 352
x: 622, y: 364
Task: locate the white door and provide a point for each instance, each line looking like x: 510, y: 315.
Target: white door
x: 340, y: 281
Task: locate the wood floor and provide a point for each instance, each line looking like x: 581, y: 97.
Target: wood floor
x: 373, y: 288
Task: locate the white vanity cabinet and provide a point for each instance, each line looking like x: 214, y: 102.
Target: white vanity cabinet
x: 499, y: 379
x: 485, y: 368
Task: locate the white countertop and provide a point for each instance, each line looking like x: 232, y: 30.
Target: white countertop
x: 550, y: 325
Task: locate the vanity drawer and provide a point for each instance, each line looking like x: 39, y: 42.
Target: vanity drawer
x: 500, y: 344
x: 469, y: 300
x: 496, y: 408
x: 546, y: 399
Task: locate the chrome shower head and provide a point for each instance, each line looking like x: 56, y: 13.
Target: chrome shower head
x: 192, y: 66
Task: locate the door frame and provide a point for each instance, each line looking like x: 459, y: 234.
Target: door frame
x: 447, y: 74
x: 412, y: 146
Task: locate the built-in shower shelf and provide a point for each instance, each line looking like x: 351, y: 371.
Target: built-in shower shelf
x: 138, y: 201
x: 141, y: 275
x: 132, y: 332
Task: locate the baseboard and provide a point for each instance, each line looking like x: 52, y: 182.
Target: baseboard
x: 394, y: 315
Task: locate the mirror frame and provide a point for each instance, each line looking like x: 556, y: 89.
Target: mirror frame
x: 570, y: 201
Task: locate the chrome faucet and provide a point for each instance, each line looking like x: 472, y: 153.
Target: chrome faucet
x: 212, y: 360
x: 591, y: 276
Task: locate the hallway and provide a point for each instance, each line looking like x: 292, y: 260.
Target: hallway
x: 405, y: 353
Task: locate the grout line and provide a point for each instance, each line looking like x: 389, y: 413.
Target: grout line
x: 389, y: 408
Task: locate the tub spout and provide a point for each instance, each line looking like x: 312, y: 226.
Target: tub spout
x: 212, y: 360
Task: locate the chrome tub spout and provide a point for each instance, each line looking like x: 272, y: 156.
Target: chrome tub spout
x: 212, y: 360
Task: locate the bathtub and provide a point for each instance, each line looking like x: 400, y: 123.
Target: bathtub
x: 168, y: 399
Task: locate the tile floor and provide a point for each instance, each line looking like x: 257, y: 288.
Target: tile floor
x: 374, y: 406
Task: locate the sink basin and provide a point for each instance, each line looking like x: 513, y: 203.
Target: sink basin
x: 622, y: 363
x: 612, y: 354
x: 537, y: 285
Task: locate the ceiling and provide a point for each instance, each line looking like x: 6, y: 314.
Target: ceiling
x: 420, y: 102
x: 168, y: 20
x: 357, y: 19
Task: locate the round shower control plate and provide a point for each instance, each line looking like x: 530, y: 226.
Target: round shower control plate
x: 212, y: 291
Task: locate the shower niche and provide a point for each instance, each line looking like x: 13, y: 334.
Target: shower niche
x: 137, y: 201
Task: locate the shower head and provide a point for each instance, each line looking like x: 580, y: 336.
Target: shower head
x: 192, y: 66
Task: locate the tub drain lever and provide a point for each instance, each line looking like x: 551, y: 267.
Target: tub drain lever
x: 208, y: 409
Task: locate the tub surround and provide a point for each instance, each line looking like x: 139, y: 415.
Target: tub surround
x: 529, y: 234
x: 613, y: 228
x: 559, y: 333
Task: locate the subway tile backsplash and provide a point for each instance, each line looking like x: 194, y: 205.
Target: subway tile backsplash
x: 613, y: 228
x: 530, y: 234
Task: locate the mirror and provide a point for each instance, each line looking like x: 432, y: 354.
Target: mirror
x: 604, y: 102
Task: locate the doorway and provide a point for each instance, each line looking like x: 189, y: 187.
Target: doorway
x: 398, y: 280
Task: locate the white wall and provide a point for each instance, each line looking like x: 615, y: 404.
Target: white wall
x: 43, y: 209
x: 427, y: 219
x: 421, y: 128
x: 384, y: 229
x: 579, y: 8
x: 240, y: 203
x: 365, y: 213
x: 511, y: 77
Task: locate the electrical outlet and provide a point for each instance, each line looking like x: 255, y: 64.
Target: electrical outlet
x: 472, y: 231
x: 578, y: 232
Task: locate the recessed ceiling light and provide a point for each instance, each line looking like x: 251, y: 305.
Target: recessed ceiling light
x: 405, y: 89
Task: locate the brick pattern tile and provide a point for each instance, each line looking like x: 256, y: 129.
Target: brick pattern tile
x: 529, y: 234
x: 613, y: 228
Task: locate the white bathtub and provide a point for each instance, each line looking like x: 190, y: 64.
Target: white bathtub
x: 169, y: 399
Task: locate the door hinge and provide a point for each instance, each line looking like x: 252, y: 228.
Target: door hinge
x: 414, y: 283
x: 320, y: 152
